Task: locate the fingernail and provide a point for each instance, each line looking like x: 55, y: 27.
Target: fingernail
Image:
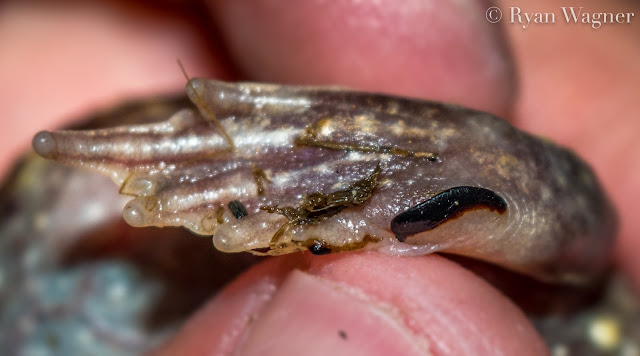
x: 313, y: 316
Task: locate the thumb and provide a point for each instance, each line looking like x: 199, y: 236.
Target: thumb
x: 365, y: 304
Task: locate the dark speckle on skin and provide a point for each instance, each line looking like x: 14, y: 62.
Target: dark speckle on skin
x: 237, y: 209
x: 319, y: 248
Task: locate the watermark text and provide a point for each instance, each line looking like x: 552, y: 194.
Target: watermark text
x: 566, y: 14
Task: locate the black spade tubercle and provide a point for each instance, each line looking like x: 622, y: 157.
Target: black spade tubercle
x: 449, y: 204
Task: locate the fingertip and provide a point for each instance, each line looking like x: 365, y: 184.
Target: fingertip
x: 441, y: 301
x: 439, y: 50
x: 360, y: 304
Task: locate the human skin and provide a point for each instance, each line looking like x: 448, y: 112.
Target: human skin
x: 570, y: 83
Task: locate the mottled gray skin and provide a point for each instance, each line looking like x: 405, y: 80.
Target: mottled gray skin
x: 559, y: 226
